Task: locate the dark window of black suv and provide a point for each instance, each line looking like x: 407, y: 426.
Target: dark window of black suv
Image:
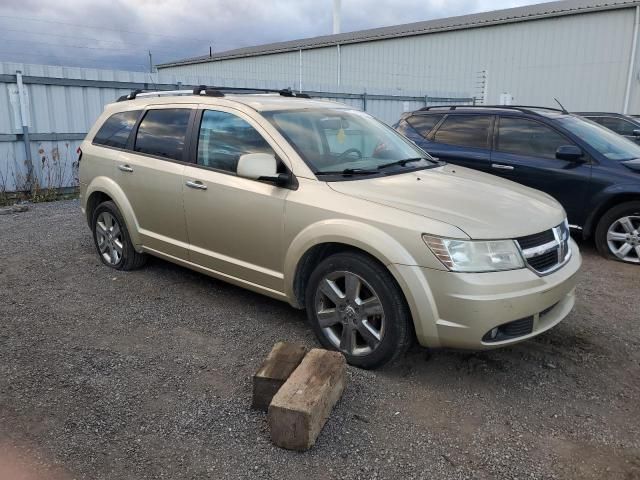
x: 423, y: 124
x: 618, y: 125
x: 464, y: 131
x: 162, y: 133
x: 527, y: 137
x: 115, y: 131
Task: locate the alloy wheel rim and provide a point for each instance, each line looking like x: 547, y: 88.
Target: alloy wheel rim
x: 623, y: 238
x: 350, y: 313
x: 109, y: 238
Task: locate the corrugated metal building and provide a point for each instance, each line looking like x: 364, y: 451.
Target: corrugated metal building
x: 580, y: 51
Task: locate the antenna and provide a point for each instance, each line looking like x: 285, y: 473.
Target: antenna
x: 564, y: 110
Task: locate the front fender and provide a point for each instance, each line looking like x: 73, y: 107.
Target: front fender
x: 112, y: 189
x: 370, y: 239
x: 606, y: 198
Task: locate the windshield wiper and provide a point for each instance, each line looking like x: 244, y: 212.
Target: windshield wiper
x: 348, y: 171
x: 402, y: 162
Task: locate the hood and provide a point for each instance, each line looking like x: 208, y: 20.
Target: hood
x: 482, y: 205
x: 632, y: 164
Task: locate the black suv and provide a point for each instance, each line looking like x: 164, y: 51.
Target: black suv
x: 593, y: 172
x: 624, y: 125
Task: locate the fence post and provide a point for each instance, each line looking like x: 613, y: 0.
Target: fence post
x: 364, y: 101
x: 24, y: 118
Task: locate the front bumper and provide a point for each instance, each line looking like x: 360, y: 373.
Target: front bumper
x: 459, y: 309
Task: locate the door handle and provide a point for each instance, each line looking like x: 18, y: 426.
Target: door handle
x: 501, y: 167
x: 197, y: 184
x: 125, y: 168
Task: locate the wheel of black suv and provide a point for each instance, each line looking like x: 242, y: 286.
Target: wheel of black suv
x: 112, y: 240
x: 356, y: 307
x: 618, y: 233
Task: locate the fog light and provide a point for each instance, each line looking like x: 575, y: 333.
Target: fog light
x: 493, y: 333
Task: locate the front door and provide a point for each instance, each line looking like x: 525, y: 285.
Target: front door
x: 235, y: 225
x: 525, y: 152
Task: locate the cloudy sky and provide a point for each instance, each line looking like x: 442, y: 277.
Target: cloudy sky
x: 119, y: 33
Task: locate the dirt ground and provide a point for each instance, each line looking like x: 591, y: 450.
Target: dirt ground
x: 147, y: 374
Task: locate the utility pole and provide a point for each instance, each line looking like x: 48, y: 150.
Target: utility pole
x: 150, y: 62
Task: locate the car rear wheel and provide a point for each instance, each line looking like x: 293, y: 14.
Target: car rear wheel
x: 356, y: 307
x: 112, y: 240
x: 618, y: 233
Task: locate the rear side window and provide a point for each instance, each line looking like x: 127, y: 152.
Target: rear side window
x: 162, y: 133
x: 526, y: 137
x: 423, y: 124
x: 465, y: 130
x: 115, y: 131
x: 224, y: 137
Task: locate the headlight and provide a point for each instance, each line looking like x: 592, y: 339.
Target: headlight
x: 475, y: 256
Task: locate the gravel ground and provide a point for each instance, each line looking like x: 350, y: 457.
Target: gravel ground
x: 147, y: 374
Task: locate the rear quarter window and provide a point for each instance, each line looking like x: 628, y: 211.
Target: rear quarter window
x: 115, y: 131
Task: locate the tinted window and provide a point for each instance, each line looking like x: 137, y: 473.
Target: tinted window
x: 115, y: 131
x: 224, y: 137
x: 162, y: 133
x: 465, y: 130
x: 606, y: 142
x: 618, y: 125
x: 526, y: 137
x: 423, y: 124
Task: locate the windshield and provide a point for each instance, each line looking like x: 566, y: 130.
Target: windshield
x: 608, y: 143
x: 347, y: 142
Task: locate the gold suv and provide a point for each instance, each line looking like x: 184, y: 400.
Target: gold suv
x: 326, y: 208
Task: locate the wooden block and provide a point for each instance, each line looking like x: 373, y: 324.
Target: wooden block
x: 302, y: 405
x: 279, y: 364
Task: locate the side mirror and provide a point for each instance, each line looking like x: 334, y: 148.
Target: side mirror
x: 261, y: 166
x: 570, y: 153
x: 636, y: 133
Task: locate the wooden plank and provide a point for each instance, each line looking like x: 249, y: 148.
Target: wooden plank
x: 279, y: 364
x: 302, y: 405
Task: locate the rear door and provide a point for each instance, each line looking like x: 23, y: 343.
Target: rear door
x: 525, y: 152
x: 463, y: 139
x: 150, y: 174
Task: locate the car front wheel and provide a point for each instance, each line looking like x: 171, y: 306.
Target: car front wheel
x: 618, y: 233
x: 356, y: 307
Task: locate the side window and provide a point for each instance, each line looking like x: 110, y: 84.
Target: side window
x: 465, y: 130
x: 162, y: 133
x: 423, y: 124
x: 526, y: 137
x: 224, y: 137
x: 115, y: 131
x: 618, y: 125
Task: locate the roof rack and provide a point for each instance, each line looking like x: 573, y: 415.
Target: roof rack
x: 210, y: 92
x: 521, y: 108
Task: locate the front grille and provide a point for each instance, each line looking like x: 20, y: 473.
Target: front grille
x: 545, y: 261
x: 536, y: 239
x: 546, y: 251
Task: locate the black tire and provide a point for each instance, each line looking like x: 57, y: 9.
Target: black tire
x: 607, y: 220
x: 129, y: 259
x: 398, y: 331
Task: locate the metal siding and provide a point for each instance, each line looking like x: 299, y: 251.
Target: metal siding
x: 581, y: 59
